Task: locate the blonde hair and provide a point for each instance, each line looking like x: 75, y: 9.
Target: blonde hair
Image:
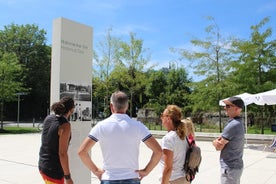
x: 190, y: 129
x: 175, y: 114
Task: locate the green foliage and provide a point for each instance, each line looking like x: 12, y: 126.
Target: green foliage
x: 257, y: 130
x: 209, y: 60
x: 152, y: 126
x: 11, y: 77
x: 155, y: 105
x: 120, y: 68
x: 211, y: 128
x: 10, y: 80
x: 256, y: 59
x: 28, y: 43
x: 19, y: 130
x: 229, y: 66
x: 129, y: 72
x: 103, y: 66
x: 168, y: 86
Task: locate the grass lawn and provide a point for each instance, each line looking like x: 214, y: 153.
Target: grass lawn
x: 18, y: 130
x: 215, y: 129
x: 258, y: 130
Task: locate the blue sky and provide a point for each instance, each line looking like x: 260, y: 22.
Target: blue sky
x: 160, y: 23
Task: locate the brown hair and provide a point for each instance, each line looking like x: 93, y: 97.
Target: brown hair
x: 175, y: 114
x: 63, y: 106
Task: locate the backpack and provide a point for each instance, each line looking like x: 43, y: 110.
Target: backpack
x: 192, y: 160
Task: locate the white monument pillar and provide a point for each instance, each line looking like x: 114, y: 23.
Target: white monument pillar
x: 71, y: 75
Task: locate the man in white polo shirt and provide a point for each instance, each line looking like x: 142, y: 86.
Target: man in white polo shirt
x: 119, y: 137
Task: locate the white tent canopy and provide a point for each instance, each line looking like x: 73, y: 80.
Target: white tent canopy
x: 268, y: 98
x: 246, y: 97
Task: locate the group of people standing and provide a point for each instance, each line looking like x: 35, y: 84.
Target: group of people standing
x: 120, y: 136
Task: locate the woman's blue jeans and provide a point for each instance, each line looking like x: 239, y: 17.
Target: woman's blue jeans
x: 128, y: 181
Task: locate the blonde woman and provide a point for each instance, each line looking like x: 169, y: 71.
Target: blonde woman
x: 190, y: 129
x: 174, y: 147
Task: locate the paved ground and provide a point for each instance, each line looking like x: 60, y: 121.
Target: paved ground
x: 19, y: 155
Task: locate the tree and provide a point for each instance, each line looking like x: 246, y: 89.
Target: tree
x: 210, y: 60
x: 155, y: 86
x: 168, y: 86
x: 131, y: 67
x: 11, y: 80
x: 256, y: 61
x: 28, y: 42
x: 177, y: 89
x: 132, y: 82
x: 105, y: 61
x: 155, y: 89
x: 255, y: 68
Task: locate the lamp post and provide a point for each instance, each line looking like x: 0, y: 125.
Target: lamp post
x: 18, y: 105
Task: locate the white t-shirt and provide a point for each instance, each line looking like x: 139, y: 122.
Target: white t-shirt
x: 172, y: 142
x: 119, y: 137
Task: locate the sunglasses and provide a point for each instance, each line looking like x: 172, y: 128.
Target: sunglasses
x: 228, y: 106
x: 163, y: 115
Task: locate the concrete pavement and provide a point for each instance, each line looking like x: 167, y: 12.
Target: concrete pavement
x: 19, y: 155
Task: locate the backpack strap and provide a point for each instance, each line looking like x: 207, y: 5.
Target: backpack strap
x: 190, y: 175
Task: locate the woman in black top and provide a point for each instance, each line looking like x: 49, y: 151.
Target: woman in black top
x: 53, y: 158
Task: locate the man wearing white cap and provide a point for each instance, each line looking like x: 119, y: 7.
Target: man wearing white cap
x: 231, y: 142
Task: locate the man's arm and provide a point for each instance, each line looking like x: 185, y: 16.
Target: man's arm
x: 155, y: 157
x: 219, y: 143
x: 86, y: 159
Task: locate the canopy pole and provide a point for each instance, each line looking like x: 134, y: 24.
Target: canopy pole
x: 245, y: 121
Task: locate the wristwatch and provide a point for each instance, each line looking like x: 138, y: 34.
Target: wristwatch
x: 67, y: 177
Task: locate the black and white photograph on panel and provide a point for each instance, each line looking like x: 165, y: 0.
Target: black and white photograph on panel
x: 82, y: 97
